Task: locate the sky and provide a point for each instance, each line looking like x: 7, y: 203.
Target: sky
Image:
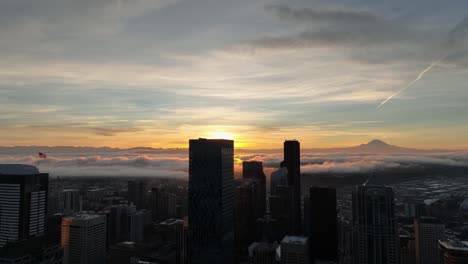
x: 127, y: 73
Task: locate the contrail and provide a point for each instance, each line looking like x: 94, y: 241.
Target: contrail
x: 413, y: 82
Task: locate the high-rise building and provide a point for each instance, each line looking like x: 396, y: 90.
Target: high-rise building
x: 264, y: 253
x: 323, y: 223
x: 84, y: 239
x: 427, y: 232
x: 295, y: 250
x: 71, y: 200
x: 282, y: 207
x: 292, y: 161
x: 254, y: 170
x: 137, y: 223
x: 375, y: 230
x: 211, y: 196
x: 244, y: 217
x: 453, y: 252
x: 163, y: 204
x: 119, y: 222
x: 23, y: 202
x: 173, y: 232
x: 137, y: 193
x: 278, y: 178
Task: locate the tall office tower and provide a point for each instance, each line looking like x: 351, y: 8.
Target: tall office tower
x: 427, y: 233
x: 374, y: 225
x: 295, y: 250
x: 23, y: 202
x: 119, y: 222
x: 267, y: 229
x: 278, y: 178
x: 244, y: 217
x: 264, y: 253
x: 84, y: 239
x: 453, y: 251
x: 137, y: 223
x: 71, y: 200
x: 163, y: 204
x: 323, y: 223
x: 282, y: 208
x: 292, y: 161
x: 254, y: 170
x: 137, y: 193
x: 173, y: 232
x: 211, y: 196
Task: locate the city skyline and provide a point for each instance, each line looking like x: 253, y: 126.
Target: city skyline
x: 154, y: 73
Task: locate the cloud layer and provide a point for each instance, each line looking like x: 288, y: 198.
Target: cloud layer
x: 174, y: 163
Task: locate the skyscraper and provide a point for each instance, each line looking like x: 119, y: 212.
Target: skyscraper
x: 84, y: 239
x: 254, y: 170
x: 173, y: 232
x: 295, y: 250
x: 23, y: 202
x: 136, y: 193
x: 292, y: 161
x: 427, y: 233
x: 245, y: 224
x: 71, y: 200
x: 323, y: 223
x: 282, y: 208
x: 211, y: 195
x: 376, y: 238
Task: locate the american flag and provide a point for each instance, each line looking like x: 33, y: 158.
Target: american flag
x: 42, y: 155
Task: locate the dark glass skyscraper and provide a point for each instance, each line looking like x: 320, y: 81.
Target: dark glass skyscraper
x: 292, y: 161
x: 254, y: 170
x: 323, y: 223
x: 211, y: 195
x: 376, y: 238
x: 23, y: 202
x: 136, y: 193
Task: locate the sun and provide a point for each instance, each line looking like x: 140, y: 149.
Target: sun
x: 221, y: 135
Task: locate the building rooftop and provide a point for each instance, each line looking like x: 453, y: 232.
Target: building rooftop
x: 18, y: 169
x: 295, y: 240
x: 455, y: 244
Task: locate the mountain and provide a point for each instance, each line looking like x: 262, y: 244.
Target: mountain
x: 374, y: 146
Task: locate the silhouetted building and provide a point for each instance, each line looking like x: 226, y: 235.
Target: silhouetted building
x: 323, y: 223
x: 282, y: 208
x: 267, y: 229
x: 137, y: 193
x: 295, y: 250
x: 163, y: 204
x: 138, y: 222
x: 54, y: 229
x: 453, y: 252
x: 376, y: 238
x: 71, y: 200
x: 124, y: 252
x: 244, y: 217
x: 173, y: 232
x: 264, y: 253
x: 278, y: 178
x: 427, y: 232
x: 119, y: 222
x: 84, y: 239
x: 254, y: 170
x: 23, y: 202
x: 211, y: 196
x: 292, y: 161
